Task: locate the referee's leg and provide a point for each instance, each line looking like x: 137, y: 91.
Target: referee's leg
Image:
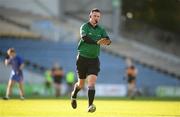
x: 77, y: 87
x: 91, y: 88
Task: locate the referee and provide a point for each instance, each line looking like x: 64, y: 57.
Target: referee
x: 88, y: 65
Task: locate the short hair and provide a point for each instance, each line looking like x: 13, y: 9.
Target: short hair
x: 95, y: 10
x: 132, y: 67
x: 11, y: 50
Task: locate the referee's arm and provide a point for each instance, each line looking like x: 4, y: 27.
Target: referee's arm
x: 88, y: 40
x: 83, y: 33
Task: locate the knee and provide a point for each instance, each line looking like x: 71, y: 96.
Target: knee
x: 80, y: 85
x: 91, y: 87
x: 10, y: 85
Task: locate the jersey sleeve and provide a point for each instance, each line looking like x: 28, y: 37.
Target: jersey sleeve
x: 83, y: 31
x: 20, y: 60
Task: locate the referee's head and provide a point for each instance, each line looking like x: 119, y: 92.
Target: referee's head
x: 94, y: 16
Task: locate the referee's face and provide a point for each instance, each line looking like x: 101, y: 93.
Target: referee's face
x: 95, y: 17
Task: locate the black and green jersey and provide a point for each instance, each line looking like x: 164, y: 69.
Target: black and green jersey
x: 95, y: 33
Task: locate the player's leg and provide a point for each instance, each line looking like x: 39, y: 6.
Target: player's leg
x: 70, y: 88
x: 93, y: 70
x: 77, y: 87
x: 131, y: 90
x: 57, y: 89
x: 21, y: 89
x: 134, y: 90
x: 81, y: 74
x: 91, y: 88
x: 91, y: 92
x: 9, y: 88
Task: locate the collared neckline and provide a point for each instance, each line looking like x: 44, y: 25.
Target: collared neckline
x: 92, y: 25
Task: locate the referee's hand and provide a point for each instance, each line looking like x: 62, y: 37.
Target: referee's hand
x: 104, y: 41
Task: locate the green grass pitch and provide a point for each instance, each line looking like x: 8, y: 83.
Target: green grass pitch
x: 105, y: 108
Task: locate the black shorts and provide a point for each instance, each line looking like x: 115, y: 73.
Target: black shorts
x: 57, y: 80
x: 131, y: 79
x: 87, y: 66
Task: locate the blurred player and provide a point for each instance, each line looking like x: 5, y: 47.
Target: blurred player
x: 57, y: 75
x: 131, y: 73
x: 70, y: 79
x: 88, y: 65
x: 48, y: 82
x: 17, y: 65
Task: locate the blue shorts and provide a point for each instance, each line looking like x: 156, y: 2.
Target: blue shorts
x: 16, y: 77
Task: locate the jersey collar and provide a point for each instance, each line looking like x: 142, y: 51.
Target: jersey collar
x: 92, y: 25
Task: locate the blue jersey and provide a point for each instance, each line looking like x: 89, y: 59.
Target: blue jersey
x: 16, y: 73
x: 16, y: 63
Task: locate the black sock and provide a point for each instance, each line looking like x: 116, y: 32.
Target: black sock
x: 91, y: 94
x: 76, y: 90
